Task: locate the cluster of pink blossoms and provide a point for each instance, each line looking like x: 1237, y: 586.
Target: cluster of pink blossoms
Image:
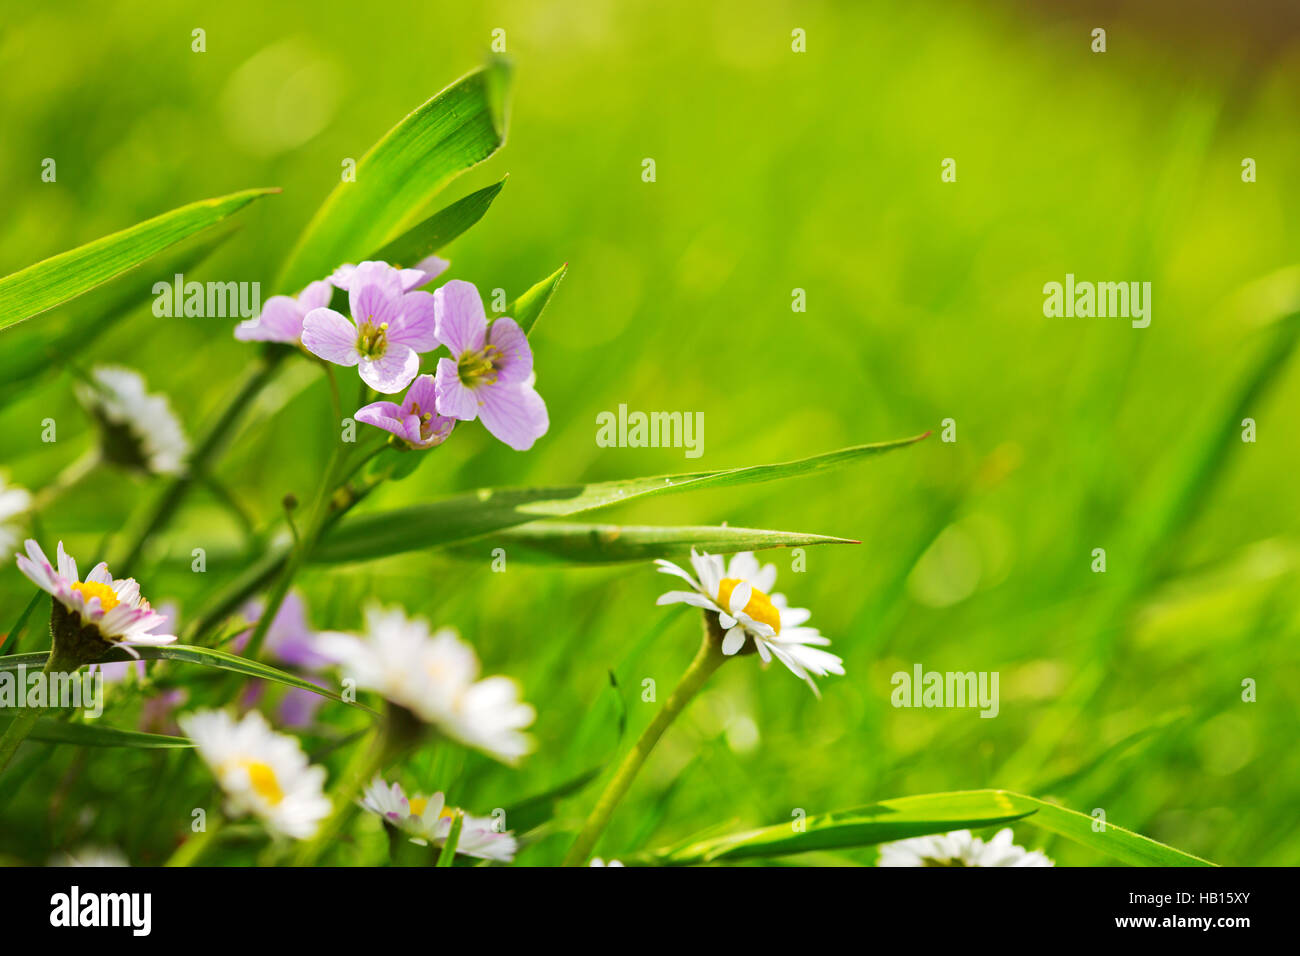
x: 488, y: 373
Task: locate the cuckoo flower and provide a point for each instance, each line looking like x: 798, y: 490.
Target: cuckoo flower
x: 388, y: 330
x: 416, y: 421
x: 282, y: 315
x: 423, y: 273
x: 489, y: 374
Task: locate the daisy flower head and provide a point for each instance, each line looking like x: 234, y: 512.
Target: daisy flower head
x: 961, y: 848
x: 14, y: 501
x: 597, y: 861
x: 490, y: 372
x: 416, y: 421
x: 428, y: 820
x: 389, y: 328
x: 262, y: 772
x: 752, y: 617
x: 434, y: 676
x: 91, y: 617
x: 139, y: 430
x: 282, y: 315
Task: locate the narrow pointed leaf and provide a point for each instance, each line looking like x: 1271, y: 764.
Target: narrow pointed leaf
x: 527, y: 309
x: 53, y: 731
x: 460, y: 518
x: 880, y: 822
x: 439, y: 229
x: 55, y: 280
x: 459, y: 127
x: 573, y: 543
x: 207, y: 656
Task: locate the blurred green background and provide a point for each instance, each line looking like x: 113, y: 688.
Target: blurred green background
x: 775, y: 171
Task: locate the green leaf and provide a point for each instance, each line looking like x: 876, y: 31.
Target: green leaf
x: 527, y: 309
x: 878, y: 823
x: 918, y: 816
x: 31, y: 350
x: 1123, y: 845
x: 439, y: 229
x: 447, y: 855
x: 11, y: 639
x: 207, y: 656
x: 65, y: 276
x: 456, y: 129
x: 462, y: 517
x: 49, y: 730
x: 573, y: 543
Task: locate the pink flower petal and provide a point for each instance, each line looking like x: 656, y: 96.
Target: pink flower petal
x: 461, y: 321
x: 514, y: 414
x: 454, y: 399
x: 392, y: 371
x: 330, y: 336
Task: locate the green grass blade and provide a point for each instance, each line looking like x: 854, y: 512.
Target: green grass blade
x: 207, y: 656
x: 384, y: 533
x: 878, y: 823
x: 456, y: 129
x: 53, y: 731
x: 11, y: 639
x: 527, y: 309
x: 56, y: 280
x: 574, y: 543
x: 1116, y: 842
x: 439, y: 229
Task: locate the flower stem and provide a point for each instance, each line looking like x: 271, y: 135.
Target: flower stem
x: 22, y: 725
x: 707, y: 660
x: 188, y: 853
x: 200, y: 461
x: 310, y: 534
x: 68, y: 478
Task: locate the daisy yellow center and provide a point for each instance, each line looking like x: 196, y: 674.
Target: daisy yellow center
x: 760, y: 606
x: 264, y: 781
x: 94, y: 589
x: 418, y: 804
x: 480, y: 367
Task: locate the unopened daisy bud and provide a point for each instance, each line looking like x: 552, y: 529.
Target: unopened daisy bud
x: 138, y: 431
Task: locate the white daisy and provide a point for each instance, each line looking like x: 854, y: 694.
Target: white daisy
x: 140, y: 430
x: 13, y: 502
x: 428, y: 820
x: 597, y: 861
x: 262, y: 772
x: 960, y: 848
x: 435, y: 676
x: 91, y: 856
x: 114, y: 608
x: 739, y: 594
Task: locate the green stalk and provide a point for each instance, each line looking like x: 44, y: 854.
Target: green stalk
x: 200, y: 461
x: 188, y: 853
x: 707, y: 660
x: 22, y: 725
x: 309, y: 535
x: 447, y: 855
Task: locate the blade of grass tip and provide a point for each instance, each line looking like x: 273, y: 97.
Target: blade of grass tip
x: 1155, y: 525
x: 10, y: 645
x: 448, y: 854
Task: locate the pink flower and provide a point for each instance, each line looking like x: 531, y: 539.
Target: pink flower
x: 416, y: 421
x: 388, y: 330
x: 282, y: 315
x: 424, y: 272
x: 489, y: 374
